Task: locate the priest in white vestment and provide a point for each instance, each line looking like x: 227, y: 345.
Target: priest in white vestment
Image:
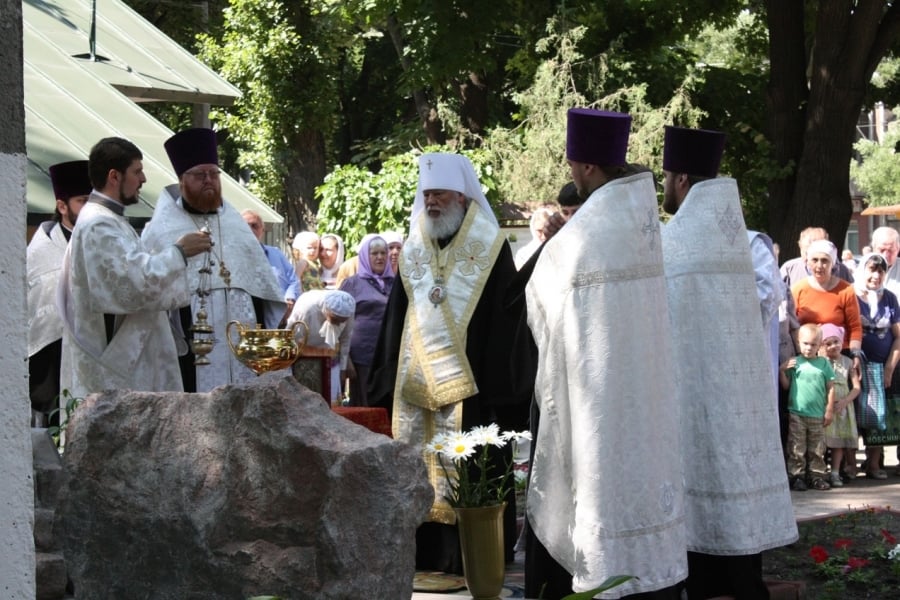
x: 605, y: 496
x: 237, y: 283
x: 112, y: 292
x: 736, y: 490
x: 44, y: 259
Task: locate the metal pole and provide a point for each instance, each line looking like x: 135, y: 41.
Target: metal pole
x: 93, y: 37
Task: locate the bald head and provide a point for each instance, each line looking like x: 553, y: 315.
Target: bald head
x: 810, y: 235
x: 886, y: 242
x: 252, y: 218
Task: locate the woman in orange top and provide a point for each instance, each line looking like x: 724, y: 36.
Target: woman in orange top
x: 825, y: 298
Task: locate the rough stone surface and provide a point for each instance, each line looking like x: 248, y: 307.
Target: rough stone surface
x: 48, y: 470
x: 50, y: 568
x: 249, y: 490
x: 43, y: 530
x: 50, y: 575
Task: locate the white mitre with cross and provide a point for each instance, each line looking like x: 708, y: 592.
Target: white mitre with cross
x: 448, y: 171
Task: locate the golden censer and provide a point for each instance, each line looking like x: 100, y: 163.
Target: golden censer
x: 265, y: 350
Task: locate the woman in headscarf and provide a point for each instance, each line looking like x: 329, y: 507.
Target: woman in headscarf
x: 823, y: 297
x: 880, y: 316
x: 394, y: 241
x: 305, y: 251
x: 331, y: 257
x: 329, y: 316
x: 370, y: 287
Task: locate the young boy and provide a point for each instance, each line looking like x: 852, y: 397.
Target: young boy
x: 810, y: 381
x: 841, y: 435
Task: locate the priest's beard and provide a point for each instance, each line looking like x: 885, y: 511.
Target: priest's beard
x: 447, y: 224
x: 207, y: 200
x: 126, y: 200
x: 670, y: 202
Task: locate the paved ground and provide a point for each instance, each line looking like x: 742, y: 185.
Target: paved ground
x: 860, y: 493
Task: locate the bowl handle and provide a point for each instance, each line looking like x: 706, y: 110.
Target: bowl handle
x: 228, y: 334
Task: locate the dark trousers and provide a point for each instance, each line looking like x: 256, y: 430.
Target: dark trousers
x: 739, y: 576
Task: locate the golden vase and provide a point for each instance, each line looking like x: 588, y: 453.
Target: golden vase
x: 481, y: 542
x: 265, y: 350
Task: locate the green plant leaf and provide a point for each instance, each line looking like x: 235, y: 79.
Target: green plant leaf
x: 610, y: 583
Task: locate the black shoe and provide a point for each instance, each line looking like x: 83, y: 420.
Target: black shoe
x: 798, y: 485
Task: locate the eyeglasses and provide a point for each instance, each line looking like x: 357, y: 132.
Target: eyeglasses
x: 213, y: 174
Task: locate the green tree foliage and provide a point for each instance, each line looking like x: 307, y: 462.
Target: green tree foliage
x: 530, y: 157
x: 285, y: 57
x: 733, y: 63
x: 878, y: 172
x: 355, y: 201
x: 330, y: 82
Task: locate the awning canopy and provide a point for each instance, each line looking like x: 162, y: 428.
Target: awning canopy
x: 69, y: 106
x: 134, y: 57
x: 891, y: 209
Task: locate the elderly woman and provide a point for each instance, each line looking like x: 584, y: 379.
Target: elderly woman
x: 329, y: 316
x: 823, y: 297
x: 370, y: 287
x: 880, y: 316
x: 394, y: 241
x: 331, y: 257
x: 305, y: 251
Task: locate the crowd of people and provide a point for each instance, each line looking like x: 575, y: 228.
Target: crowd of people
x: 654, y: 363
x: 113, y: 308
x: 843, y: 323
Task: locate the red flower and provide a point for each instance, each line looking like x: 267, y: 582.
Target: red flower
x: 888, y: 537
x: 842, y: 543
x: 856, y: 563
x: 818, y: 554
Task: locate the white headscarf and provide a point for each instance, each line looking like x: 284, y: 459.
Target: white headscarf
x: 823, y: 247
x: 341, y: 304
x: 329, y: 276
x: 448, y: 171
x: 859, y: 282
x: 392, y: 237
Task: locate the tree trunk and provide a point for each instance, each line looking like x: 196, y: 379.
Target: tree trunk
x: 431, y: 123
x: 474, y: 94
x: 813, y: 115
x: 306, y: 170
x: 786, y: 98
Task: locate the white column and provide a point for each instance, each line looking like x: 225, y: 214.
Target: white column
x: 17, y: 495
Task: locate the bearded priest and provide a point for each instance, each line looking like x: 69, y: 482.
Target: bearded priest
x: 112, y: 293
x: 443, y: 360
x: 233, y: 281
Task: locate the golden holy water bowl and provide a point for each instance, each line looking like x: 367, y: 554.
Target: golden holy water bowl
x: 265, y: 350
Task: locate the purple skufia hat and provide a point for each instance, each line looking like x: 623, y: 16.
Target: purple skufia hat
x: 597, y: 137
x: 693, y: 151
x: 192, y: 147
x: 70, y: 179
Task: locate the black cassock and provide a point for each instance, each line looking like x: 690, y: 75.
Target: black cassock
x: 503, y: 396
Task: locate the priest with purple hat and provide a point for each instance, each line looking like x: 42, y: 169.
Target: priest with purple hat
x: 737, y: 502
x: 71, y: 188
x: 234, y: 279
x: 605, y: 496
